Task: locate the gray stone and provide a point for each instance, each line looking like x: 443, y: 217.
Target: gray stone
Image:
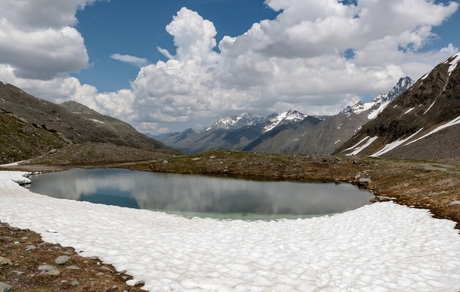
x: 5, y: 287
x: 52, y: 151
x: 5, y: 261
x: 49, y: 270
x: 454, y: 203
x: 30, y: 247
x: 62, y: 260
x: 377, y: 199
x: 165, y: 162
x: 75, y: 283
x: 363, y: 182
x: 73, y: 267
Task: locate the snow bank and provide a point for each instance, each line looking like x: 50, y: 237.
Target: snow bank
x: 393, y: 145
x: 380, y: 247
x: 454, y: 122
x: 361, y: 148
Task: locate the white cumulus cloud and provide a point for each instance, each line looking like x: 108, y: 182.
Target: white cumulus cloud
x: 38, y: 40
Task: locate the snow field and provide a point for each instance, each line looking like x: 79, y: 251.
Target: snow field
x: 379, y: 247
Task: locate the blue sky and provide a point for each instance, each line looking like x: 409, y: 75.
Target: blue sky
x: 173, y: 64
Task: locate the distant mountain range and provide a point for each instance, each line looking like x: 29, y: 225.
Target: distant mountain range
x: 288, y: 132
x: 421, y: 123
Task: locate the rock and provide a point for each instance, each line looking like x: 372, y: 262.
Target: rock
x: 5, y: 261
x: 52, y: 151
x: 30, y: 247
x: 105, y: 268
x: 49, y: 270
x: 165, y: 162
x: 363, y: 182
x: 73, y: 267
x: 62, y: 260
x: 454, y: 203
x: 75, y: 283
x: 377, y: 199
x: 5, y: 287
x: 196, y: 158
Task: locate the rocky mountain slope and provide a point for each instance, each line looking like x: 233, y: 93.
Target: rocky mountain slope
x: 32, y: 126
x: 331, y: 133
x: 422, y: 123
x: 288, y: 132
x: 20, y: 140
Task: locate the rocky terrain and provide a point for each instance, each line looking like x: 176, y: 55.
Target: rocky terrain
x: 29, y: 264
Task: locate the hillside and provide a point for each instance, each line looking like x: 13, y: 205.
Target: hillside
x: 422, y: 123
x: 32, y: 126
x: 20, y: 140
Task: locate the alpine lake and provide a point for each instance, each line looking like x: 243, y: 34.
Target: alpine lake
x: 201, y: 196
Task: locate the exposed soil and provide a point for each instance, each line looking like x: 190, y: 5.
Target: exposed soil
x: 23, y: 252
x: 419, y: 184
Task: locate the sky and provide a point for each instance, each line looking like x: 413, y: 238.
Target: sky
x: 165, y: 66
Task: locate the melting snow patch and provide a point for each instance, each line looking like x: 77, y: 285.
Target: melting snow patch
x: 376, y: 112
x: 455, y: 121
x: 356, y: 145
x: 393, y: 145
x: 359, y: 149
x: 379, y: 247
x: 97, y: 121
x: 430, y: 106
x: 454, y: 63
x: 409, y: 110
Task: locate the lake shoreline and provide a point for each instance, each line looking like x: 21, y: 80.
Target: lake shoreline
x: 418, y: 184
x: 387, y: 178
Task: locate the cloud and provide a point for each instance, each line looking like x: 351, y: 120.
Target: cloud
x: 296, y: 61
x: 136, y: 61
x: 41, y: 43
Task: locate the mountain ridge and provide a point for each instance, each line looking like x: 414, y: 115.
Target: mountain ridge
x: 406, y: 129
x: 287, y: 132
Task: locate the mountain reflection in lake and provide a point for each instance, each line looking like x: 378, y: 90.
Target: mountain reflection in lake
x: 200, y: 195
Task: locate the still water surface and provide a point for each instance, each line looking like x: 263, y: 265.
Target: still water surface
x: 202, y: 196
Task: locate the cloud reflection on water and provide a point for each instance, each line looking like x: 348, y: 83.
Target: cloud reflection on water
x: 191, y: 193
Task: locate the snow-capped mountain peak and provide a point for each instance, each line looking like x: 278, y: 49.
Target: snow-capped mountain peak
x: 380, y: 102
x: 290, y: 116
x: 239, y: 121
